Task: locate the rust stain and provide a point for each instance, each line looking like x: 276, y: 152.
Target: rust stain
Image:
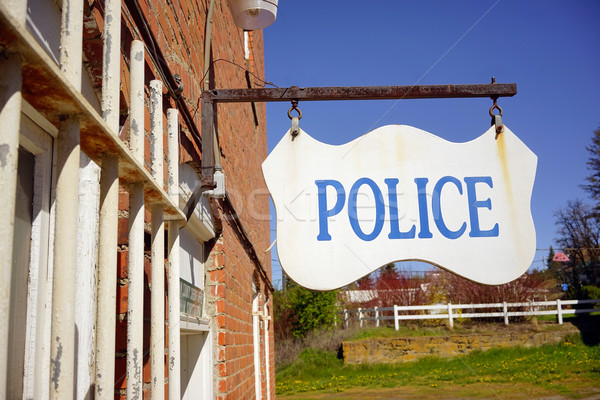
x: 501, y: 147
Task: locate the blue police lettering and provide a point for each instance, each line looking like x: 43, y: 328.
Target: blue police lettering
x: 472, y: 203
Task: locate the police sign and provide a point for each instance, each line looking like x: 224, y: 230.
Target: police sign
x: 400, y: 193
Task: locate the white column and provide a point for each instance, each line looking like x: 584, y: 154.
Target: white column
x: 559, y: 312
x: 396, y: 322
x: 65, y: 262
x: 450, y: 317
x: 10, y: 116
x: 107, y: 280
x: 256, y: 344
x: 157, y: 296
x: 505, y: 312
x: 62, y: 349
x: 173, y: 255
x: 135, y: 307
x: 135, y: 293
x: 266, y: 319
x: 109, y: 188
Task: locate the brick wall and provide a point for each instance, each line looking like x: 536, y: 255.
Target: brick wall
x: 178, y: 29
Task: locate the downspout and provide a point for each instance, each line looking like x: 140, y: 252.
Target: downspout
x: 211, y: 157
x: 206, y: 83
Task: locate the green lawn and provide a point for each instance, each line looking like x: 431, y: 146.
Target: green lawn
x: 570, y: 369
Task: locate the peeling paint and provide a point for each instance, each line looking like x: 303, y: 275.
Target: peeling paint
x: 4, y: 152
x: 136, y: 388
x: 56, y: 364
x: 135, y: 129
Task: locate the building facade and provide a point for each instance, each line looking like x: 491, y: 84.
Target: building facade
x: 110, y: 286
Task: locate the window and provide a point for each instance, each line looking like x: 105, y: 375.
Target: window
x: 30, y: 293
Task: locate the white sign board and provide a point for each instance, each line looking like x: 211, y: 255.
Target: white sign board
x: 400, y: 193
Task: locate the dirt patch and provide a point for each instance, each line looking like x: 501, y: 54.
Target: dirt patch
x: 451, y: 391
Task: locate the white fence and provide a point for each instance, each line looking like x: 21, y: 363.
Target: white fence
x: 451, y: 311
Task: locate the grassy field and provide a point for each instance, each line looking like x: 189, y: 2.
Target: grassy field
x: 567, y: 370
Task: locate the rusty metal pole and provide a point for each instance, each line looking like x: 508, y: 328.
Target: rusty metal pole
x: 294, y: 93
x: 360, y: 93
x: 157, y: 280
x: 10, y: 119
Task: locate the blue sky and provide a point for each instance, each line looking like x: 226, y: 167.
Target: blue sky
x: 551, y: 49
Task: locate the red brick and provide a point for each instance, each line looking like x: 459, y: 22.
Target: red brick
x: 122, y: 231
x: 122, y: 297
x: 123, y: 200
x: 122, y: 270
x: 121, y: 336
x: 121, y: 373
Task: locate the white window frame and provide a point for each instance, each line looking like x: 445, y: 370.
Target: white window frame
x: 36, y: 136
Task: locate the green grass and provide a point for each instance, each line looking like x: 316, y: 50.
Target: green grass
x: 566, y: 317
x: 561, y: 369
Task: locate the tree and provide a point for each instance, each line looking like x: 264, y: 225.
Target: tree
x: 593, y: 163
x: 579, y: 234
x: 388, y: 275
x: 398, y: 288
x: 458, y: 290
x: 554, y: 268
x: 311, y: 310
x: 366, y: 282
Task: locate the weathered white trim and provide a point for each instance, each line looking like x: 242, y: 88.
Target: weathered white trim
x: 85, y: 288
x: 10, y: 114
x: 65, y: 262
x: 191, y: 325
x: 266, y: 320
x: 174, y: 362
x: 111, y: 61
x: 136, y: 101
x: 39, y: 143
x: 107, y: 279
x: 135, y: 293
x: 256, y: 339
x: 157, y: 304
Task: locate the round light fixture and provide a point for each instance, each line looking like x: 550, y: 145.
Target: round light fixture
x: 253, y: 14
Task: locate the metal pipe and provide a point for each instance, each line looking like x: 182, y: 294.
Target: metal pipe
x: 267, y: 318
x: 62, y: 351
x: 135, y: 293
x: 157, y: 281
x: 207, y: 42
x: 361, y: 93
x: 207, y: 75
x: 173, y: 255
x: 109, y: 207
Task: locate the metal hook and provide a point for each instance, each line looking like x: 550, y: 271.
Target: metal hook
x: 295, y: 129
x: 294, y: 107
x: 497, y: 118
